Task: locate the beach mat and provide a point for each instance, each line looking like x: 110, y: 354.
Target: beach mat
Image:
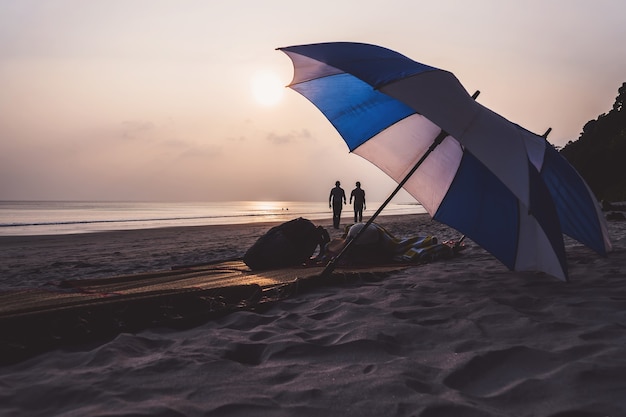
x: 88, y: 310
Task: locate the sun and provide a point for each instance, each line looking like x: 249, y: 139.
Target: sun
x: 267, y: 89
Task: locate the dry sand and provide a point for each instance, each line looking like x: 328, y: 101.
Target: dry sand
x: 462, y: 337
x: 31, y: 261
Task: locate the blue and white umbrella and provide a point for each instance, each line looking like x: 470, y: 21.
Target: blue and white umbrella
x: 501, y: 185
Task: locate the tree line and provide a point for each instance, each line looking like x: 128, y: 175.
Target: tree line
x: 599, y: 154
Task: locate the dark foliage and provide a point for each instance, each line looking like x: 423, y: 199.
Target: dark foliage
x: 599, y: 154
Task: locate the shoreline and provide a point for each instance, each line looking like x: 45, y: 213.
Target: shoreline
x: 325, y: 222
x: 41, y: 218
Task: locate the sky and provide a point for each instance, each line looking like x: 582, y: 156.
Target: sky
x: 185, y: 100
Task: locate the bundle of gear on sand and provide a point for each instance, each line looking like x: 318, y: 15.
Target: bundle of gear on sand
x: 294, y: 243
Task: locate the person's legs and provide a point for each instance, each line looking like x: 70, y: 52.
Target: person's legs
x: 336, y: 217
x: 358, y: 214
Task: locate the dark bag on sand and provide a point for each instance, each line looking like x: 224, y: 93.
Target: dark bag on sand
x: 287, y: 244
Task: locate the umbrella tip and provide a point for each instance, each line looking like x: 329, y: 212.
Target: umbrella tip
x: 545, y: 135
x: 476, y: 94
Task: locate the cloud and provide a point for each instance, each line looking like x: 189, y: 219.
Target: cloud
x: 291, y: 137
x: 131, y: 129
x: 146, y: 138
x: 237, y: 139
x: 202, y: 152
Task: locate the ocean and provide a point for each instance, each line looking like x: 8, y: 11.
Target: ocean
x: 32, y: 218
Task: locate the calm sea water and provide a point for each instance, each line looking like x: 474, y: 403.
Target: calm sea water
x: 64, y: 217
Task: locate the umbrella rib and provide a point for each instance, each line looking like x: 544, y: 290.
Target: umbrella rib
x: 332, y: 264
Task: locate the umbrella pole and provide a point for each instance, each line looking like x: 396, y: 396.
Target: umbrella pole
x: 333, y: 262
x: 330, y: 267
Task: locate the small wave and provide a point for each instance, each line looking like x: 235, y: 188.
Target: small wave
x: 148, y: 219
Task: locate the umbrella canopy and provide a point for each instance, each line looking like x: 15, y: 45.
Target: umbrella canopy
x: 579, y: 212
x: 488, y: 178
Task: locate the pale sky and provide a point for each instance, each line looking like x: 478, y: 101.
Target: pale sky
x: 155, y: 99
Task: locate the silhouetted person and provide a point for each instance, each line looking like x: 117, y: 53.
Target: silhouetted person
x: 335, y: 201
x: 359, y: 202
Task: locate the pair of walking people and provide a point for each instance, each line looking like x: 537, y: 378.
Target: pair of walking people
x: 337, y: 199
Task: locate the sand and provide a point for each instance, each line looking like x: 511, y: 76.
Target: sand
x: 461, y: 337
